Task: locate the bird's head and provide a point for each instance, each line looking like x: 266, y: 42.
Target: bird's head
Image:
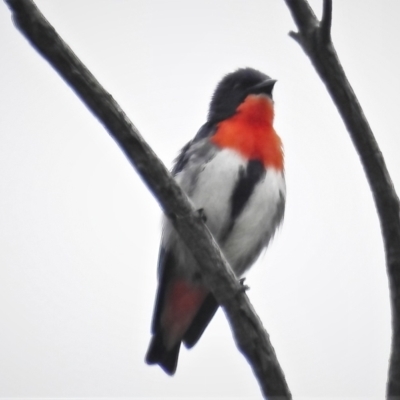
x: 234, y: 88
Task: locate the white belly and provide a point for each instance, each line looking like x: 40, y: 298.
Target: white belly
x: 210, y: 188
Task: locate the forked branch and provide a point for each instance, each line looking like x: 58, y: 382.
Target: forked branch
x: 315, y: 39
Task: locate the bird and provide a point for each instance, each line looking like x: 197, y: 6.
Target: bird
x: 233, y: 171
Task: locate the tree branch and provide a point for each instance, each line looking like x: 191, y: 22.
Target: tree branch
x: 316, y: 43
x: 251, y: 338
x: 326, y: 21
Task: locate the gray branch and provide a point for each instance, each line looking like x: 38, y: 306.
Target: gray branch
x: 250, y: 336
x: 315, y: 39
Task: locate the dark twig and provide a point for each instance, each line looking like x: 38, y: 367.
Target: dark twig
x: 251, y: 338
x: 326, y: 21
x: 316, y: 42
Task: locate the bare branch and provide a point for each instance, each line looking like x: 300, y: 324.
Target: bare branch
x: 251, y: 338
x: 319, y: 48
x: 302, y: 14
x: 326, y: 21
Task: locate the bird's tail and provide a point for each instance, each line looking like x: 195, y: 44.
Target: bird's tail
x: 157, y: 353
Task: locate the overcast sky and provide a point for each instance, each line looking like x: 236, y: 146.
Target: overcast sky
x: 79, y: 231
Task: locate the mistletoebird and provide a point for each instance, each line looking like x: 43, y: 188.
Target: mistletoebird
x: 233, y: 171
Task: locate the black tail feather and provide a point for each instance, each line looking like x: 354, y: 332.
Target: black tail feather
x: 167, y: 359
x: 201, y: 321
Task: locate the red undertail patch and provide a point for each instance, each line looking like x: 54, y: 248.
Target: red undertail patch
x: 183, y: 300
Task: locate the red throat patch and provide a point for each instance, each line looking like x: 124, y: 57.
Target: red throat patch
x: 250, y: 132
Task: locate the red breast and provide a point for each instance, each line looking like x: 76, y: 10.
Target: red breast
x: 250, y: 132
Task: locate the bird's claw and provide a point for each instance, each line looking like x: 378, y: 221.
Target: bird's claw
x: 202, y: 214
x: 243, y: 287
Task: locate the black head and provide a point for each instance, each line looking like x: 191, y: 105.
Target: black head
x: 234, y: 88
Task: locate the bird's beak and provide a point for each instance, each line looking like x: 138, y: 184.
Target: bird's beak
x: 264, y: 87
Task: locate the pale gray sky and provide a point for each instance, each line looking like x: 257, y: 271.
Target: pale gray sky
x: 79, y: 231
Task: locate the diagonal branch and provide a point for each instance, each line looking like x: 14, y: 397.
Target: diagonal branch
x: 251, y: 337
x: 314, y: 37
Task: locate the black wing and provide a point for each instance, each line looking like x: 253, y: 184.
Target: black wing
x: 206, y: 130
x: 157, y: 352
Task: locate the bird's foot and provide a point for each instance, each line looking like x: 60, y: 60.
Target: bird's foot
x: 243, y: 287
x: 202, y: 215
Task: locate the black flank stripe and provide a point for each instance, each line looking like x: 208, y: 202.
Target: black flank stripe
x: 247, y: 180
